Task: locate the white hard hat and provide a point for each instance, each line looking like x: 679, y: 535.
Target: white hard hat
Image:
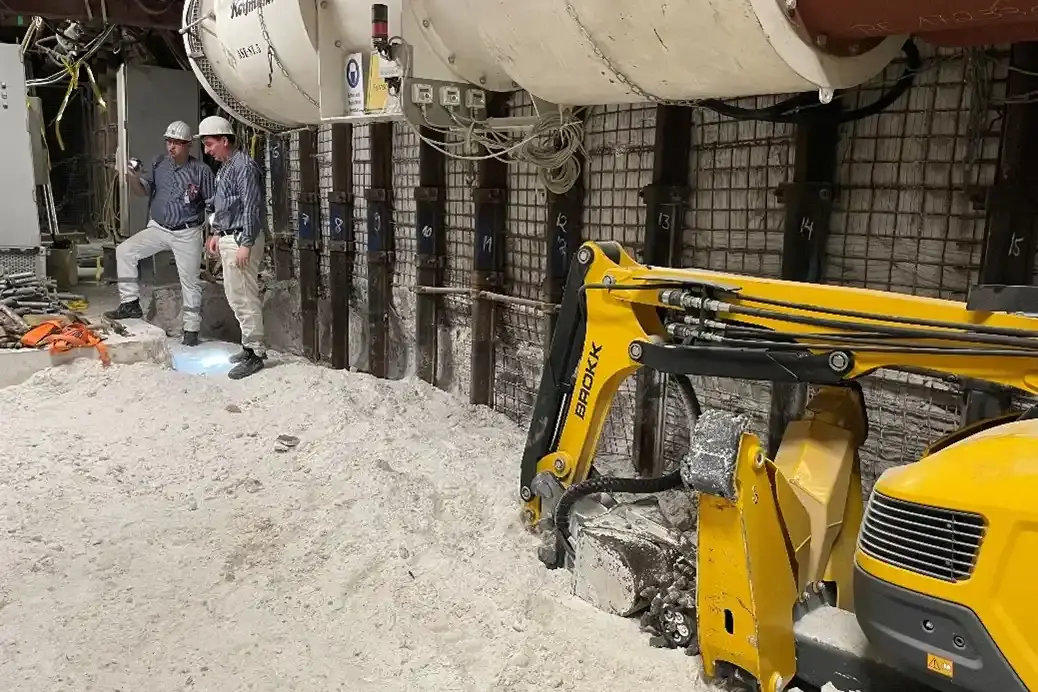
x: 215, y: 126
x: 178, y: 130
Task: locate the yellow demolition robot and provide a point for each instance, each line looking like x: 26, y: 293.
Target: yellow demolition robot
x: 789, y: 574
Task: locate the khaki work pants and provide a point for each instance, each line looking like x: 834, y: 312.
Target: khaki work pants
x: 186, y: 246
x: 241, y: 285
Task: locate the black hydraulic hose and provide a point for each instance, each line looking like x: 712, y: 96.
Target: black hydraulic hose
x: 800, y: 108
x: 1020, y: 338
x: 596, y: 483
x: 762, y: 337
x: 839, y: 312
x: 607, y: 484
x: 866, y: 347
x: 977, y: 328
x: 994, y: 339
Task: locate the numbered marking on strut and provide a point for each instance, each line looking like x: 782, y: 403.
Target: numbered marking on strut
x: 275, y: 151
x: 560, y: 238
x: 488, y: 243
x: 427, y: 231
x: 304, y: 219
x: 340, y: 225
x: 376, y: 223
x: 664, y: 221
x: 807, y: 227
x: 560, y: 245
x: 1014, y: 245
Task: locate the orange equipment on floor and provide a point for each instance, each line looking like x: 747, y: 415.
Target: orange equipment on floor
x: 60, y: 337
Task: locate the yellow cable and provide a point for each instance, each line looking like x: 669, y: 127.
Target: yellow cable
x: 73, y: 82
x: 97, y: 91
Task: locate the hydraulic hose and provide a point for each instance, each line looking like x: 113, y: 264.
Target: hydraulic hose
x: 803, y: 107
x: 636, y: 486
x: 606, y: 484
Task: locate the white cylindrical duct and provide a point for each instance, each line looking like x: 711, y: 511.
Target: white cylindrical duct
x: 262, y: 54
x: 586, y: 52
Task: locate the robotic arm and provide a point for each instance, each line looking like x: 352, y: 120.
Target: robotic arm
x: 618, y: 316
x: 776, y: 538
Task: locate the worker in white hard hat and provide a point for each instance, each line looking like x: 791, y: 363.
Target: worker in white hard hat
x: 177, y: 186
x: 237, y: 237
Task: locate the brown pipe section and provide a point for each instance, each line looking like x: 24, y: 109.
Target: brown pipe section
x: 958, y: 23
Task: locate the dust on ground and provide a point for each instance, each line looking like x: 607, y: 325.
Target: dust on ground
x: 151, y: 538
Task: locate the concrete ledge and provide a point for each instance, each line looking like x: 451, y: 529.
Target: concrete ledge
x: 145, y: 343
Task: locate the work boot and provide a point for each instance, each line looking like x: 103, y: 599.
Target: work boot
x: 190, y: 338
x: 250, y: 363
x: 126, y: 311
x: 240, y: 356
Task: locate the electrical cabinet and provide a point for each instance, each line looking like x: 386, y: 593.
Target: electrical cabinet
x: 20, y: 247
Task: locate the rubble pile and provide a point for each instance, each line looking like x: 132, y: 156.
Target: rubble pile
x: 24, y: 294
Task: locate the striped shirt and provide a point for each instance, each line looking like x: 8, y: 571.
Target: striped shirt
x: 177, y: 193
x: 238, y: 205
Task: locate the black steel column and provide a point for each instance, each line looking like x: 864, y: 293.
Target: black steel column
x: 1012, y: 206
x: 564, y: 235
x: 279, y: 191
x: 309, y: 241
x: 381, y: 247
x: 340, y: 222
x: 809, y: 202
x: 665, y: 201
x: 488, y: 260
x: 430, y: 207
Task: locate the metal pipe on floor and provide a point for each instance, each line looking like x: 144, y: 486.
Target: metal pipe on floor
x: 538, y: 305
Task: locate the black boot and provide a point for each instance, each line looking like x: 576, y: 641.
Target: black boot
x: 249, y: 364
x: 190, y: 338
x: 240, y: 355
x: 126, y: 311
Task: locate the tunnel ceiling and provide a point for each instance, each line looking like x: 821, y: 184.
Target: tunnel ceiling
x: 146, y: 14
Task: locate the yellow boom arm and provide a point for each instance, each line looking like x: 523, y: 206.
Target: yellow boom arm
x: 744, y: 327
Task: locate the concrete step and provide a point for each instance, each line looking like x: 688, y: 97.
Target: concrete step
x: 144, y: 343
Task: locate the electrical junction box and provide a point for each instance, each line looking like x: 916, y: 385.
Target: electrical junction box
x: 422, y: 94
x: 450, y: 97
x: 20, y: 247
x: 475, y: 99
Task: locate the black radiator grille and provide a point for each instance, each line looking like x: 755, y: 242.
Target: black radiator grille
x: 940, y: 543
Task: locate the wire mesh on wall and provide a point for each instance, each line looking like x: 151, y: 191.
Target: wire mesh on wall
x: 735, y: 224
x: 519, y: 350
x: 324, y: 186
x: 902, y: 222
x: 619, y: 142
x: 735, y: 221
x: 361, y: 182
x: 405, y: 180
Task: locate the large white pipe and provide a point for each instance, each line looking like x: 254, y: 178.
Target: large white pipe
x: 260, y: 57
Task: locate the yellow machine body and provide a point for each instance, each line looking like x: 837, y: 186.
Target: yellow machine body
x: 982, y: 607
x: 784, y: 530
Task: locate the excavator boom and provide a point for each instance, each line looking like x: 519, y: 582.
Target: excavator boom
x: 745, y: 327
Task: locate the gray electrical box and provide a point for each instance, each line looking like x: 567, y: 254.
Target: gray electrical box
x: 40, y: 157
x: 20, y: 230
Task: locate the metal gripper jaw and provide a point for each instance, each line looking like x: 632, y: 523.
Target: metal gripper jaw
x: 709, y: 467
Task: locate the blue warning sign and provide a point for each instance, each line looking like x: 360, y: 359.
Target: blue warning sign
x: 353, y: 73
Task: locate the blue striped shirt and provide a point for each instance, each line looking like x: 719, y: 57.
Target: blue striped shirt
x: 177, y: 193
x: 238, y: 203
